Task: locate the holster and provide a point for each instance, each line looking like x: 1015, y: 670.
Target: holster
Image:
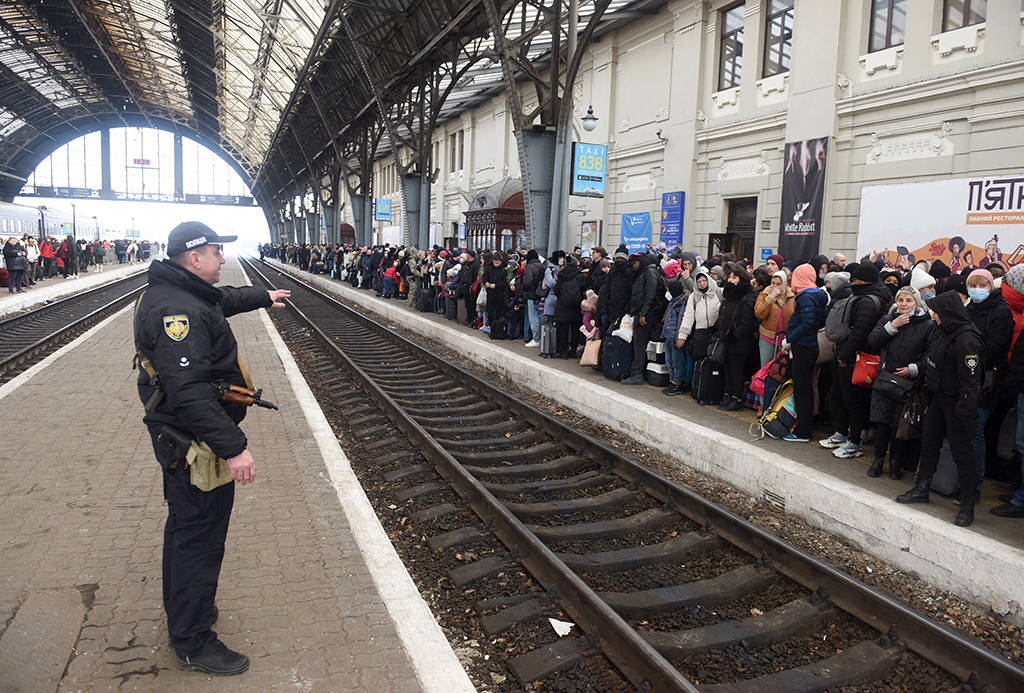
x: 178, y: 441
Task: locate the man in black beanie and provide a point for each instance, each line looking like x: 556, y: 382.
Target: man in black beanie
x: 870, y: 299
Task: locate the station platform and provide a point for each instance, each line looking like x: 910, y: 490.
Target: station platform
x: 311, y: 589
x: 57, y: 287
x: 981, y: 563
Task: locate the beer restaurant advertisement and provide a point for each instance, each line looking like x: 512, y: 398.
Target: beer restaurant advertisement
x: 965, y: 222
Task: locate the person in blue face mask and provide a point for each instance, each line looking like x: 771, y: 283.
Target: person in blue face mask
x: 994, y: 319
x: 923, y: 282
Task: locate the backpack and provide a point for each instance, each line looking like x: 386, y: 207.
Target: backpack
x: 779, y: 418
x: 837, y: 324
x: 499, y: 328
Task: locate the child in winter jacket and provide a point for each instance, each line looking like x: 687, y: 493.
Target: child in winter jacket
x: 680, y: 365
x: 589, y: 308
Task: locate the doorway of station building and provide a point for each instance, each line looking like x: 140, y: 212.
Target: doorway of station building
x: 738, y: 238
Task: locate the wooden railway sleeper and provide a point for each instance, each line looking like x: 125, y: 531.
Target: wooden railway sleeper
x: 484, y: 568
x: 646, y: 521
x: 603, y: 501
x: 797, y: 618
x: 861, y: 664
x: 678, y: 549
x: 562, y: 465
x: 721, y: 589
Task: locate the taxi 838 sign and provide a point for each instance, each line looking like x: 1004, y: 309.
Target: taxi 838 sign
x: 588, y: 169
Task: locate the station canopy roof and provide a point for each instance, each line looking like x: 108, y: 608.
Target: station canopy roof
x: 274, y: 84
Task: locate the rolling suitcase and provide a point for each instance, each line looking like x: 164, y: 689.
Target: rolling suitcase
x: 616, y: 357
x: 451, y: 309
x: 461, y: 311
x: 547, y: 340
x: 708, y: 385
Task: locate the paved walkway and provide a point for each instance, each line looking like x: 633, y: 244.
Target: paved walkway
x: 311, y: 589
x: 982, y: 563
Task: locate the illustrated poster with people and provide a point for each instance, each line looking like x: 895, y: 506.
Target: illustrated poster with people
x: 803, y: 195
x: 965, y: 222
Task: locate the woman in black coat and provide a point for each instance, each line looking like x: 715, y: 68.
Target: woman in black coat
x: 568, y: 315
x: 16, y: 259
x: 495, y: 279
x: 736, y: 322
x: 901, y: 338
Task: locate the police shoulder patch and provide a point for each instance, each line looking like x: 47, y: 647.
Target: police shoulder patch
x: 176, y: 326
x: 971, y: 361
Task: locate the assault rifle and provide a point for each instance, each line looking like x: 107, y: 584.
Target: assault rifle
x: 235, y: 394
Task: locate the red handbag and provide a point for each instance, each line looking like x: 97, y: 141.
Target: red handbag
x: 865, y: 370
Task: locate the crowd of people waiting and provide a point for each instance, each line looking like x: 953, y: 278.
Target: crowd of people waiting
x: 27, y: 261
x: 945, y: 345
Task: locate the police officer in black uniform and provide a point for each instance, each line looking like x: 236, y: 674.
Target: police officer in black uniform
x: 953, y: 376
x: 181, y: 328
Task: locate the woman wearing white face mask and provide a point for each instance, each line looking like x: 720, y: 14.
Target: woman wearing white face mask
x: 994, y: 319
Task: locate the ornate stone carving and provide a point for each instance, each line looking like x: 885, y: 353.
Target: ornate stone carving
x: 702, y: 119
x: 845, y: 84
x: 906, y: 144
x: 966, y: 39
x: 638, y: 181
x: 890, y: 59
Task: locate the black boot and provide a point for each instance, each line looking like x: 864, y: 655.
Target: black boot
x: 672, y: 390
x: 895, y: 469
x: 875, y: 470
x: 965, y: 517
x: 918, y: 494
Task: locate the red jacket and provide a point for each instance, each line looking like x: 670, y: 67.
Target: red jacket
x: 46, y: 249
x: 1016, y: 303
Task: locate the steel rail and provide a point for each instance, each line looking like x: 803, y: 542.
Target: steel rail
x: 945, y: 647
x: 19, y: 356
x: 637, y: 659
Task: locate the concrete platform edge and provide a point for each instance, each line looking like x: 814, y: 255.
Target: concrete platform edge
x: 908, y: 539
x: 433, y: 658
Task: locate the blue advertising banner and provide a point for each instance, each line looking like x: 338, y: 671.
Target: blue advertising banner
x: 382, y: 210
x: 588, y: 169
x: 636, y: 232
x: 672, y: 205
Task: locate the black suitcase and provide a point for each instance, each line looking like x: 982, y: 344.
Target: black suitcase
x: 548, y: 340
x: 616, y: 357
x: 452, y: 309
x: 708, y: 383
x: 426, y: 299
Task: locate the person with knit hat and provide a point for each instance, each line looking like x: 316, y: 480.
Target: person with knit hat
x: 994, y: 320
x: 901, y: 337
x: 871, y: 299
x: 774, y: 263
x: 616, y: 291
x: 953, y: 374
x: 923, y: 282
x: 1013, y: 388
x: 809, y: 311
x: 838, y: 285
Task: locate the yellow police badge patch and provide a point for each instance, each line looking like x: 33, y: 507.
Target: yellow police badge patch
x: 176, y: 326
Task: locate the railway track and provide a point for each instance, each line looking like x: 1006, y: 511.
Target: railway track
x: 29, y: 337
x: 661, y: 583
